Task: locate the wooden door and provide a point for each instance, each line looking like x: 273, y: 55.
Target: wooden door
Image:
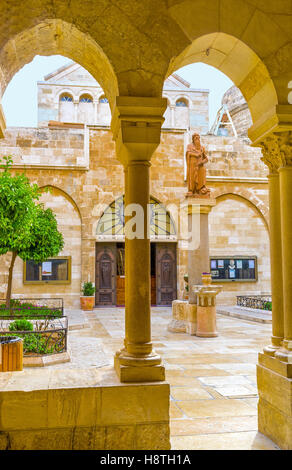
x: 121, y: 288
x: 106, y: 272
x: 165, y: 273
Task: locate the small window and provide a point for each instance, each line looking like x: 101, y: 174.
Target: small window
x: 66, y: 97
x: 85, y: 99
x: 52, y: 271
x: 181, y: 103
x: 103, y: 99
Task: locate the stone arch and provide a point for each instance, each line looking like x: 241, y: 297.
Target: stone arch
x: 184, y: 99
x: 66, y: 196
x: 239, y: 62
x: 85, y: 93
x: 61, y: 92
x: 111, y: 220
x: 246, y: 195
x: 54, y: 36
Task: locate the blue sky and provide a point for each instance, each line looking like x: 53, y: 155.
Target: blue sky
x: 20, y: 98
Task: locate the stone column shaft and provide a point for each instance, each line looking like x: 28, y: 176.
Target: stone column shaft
x: 136, y: 127
x: 286, y: 222
x: 199, y: 258
x: 138, y: 266
x: 276, y: 263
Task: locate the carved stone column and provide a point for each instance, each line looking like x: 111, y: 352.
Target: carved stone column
x: 136, y: 126
x: 274, y: 370
x: 272, y: 158
x: 285, y: 172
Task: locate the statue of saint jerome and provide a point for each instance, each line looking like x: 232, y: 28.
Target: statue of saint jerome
x: 196, y: 172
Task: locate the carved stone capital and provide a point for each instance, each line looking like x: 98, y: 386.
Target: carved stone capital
x: 277, y: 150
x: 136, y: 126
x: 271, y: 153
x: 286, y: 148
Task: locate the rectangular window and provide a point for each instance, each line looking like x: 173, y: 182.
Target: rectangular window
x: 231, y: 269
x: 52, y: 271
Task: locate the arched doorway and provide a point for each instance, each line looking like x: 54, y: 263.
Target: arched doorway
x: 110, y: 255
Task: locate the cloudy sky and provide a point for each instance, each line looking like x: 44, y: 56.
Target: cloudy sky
x: 20, y: 98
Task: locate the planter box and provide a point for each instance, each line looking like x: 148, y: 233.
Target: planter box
x: 87, y: 303
x: 11, y: 354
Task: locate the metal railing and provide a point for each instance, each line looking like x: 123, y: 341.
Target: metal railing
x: 262, y: 302
x: 48, y: 335
x: 39, y: 322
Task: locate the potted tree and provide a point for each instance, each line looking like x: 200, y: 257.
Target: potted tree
x: 88, y: 299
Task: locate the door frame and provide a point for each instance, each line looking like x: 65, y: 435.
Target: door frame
x: 113, y: 247
x: 174, y: 246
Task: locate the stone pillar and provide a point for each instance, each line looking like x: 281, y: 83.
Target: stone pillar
x: 136, y: 126
x: 274, y: 371
x: 286, y: 224
x: 274, y: 162
x: 199, y: 258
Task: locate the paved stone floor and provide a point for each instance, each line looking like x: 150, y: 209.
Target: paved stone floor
x: 213, y: 381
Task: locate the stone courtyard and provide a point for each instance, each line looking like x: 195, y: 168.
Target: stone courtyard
x: 213, y: 400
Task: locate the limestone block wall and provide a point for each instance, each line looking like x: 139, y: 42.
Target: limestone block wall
x: 94, y: 413
x: 51, y: 108
x: 69, y: 223
x: 44, y: 146
x: 234, y: 168
x: 195, y: 115
x: 238, y: 229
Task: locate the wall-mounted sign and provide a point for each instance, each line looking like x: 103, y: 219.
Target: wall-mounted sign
x: 47, y: 268
x: 240, y: 269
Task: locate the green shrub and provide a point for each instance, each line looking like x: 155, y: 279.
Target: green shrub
x: 36, y: 343
x: 28, y: 310
x: 88, y: 289
x: 21, y: 325
x: 268, y: 306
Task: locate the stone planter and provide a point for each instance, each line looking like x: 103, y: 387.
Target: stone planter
x: 206, y: 279
x: 11, y: 354
x: 206, y: 310
x: 87, y: 303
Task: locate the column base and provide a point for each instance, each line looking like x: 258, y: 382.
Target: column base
x: 284, y: 355
x: 274, y: 346
x: 207, y: 335
x: 274, y: 380
x: 135, y: 369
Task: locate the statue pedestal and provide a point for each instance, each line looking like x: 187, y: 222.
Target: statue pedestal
x: 206, y: 310
x: 198, y: 257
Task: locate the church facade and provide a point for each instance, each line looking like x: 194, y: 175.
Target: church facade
x: 73, y: 153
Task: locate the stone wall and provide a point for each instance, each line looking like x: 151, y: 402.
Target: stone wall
x: 69, y: 223
x: 82, y: 166
x: 238, y: 229
x: 93, y: 413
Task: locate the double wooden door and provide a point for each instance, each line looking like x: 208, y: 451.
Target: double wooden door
x: 110, y: 287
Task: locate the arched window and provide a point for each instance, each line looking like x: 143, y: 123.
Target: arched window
x: 103, y: 99
x: 182, y: 103
x: 85, y: 99
x: 86, y: 109
x: 112, y: 222
x: 66, y: 108
x: 65, y: 97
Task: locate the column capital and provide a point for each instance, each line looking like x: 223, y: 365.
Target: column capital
x: 277, y: 150
x: 136, y: 126
x: 278, y: 119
